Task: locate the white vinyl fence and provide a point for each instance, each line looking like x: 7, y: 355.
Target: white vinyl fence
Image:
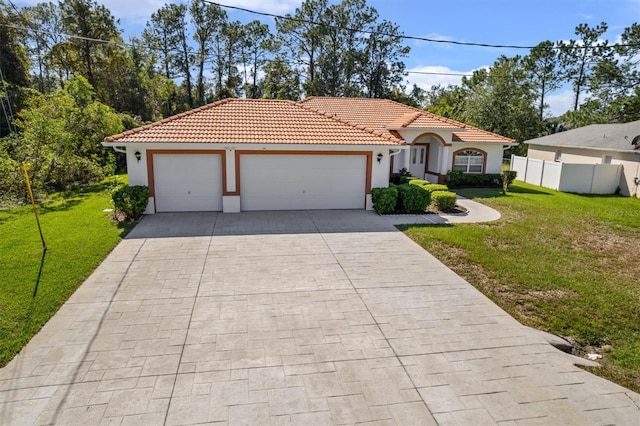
x: 567, y: 177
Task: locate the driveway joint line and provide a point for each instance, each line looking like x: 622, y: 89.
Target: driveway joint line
x: 90, y: 344
x: 397, y: 357
x: 186, y: 335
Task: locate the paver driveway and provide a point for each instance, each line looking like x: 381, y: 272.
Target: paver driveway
x: 291, y: 318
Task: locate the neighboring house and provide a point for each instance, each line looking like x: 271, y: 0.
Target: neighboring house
x: 320, y: 153
x: 595, y: 144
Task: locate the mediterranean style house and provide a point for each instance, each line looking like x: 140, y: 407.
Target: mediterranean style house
x: 319, y: 153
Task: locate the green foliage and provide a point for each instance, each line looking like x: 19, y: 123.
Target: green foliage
x: 402, y: 176
x: 60, y: 139
x: 12, y: 183
x: 336, y: 58
x: 384, y: 199
x: 443, y: 200
x: 428, y: 186
x: 412, y: 199
x: 33, y: 286
x: 458, y: 179
x: 73, y: 170
x: 131, y: 200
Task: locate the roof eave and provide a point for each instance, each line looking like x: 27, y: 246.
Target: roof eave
x: 591, y: 148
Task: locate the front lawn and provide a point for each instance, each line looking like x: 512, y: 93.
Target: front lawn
x: 564, y: 263
x: 33, y: 286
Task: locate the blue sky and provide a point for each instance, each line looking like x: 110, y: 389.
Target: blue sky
x: 514, y: 22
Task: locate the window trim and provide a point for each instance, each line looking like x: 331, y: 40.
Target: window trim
x: 479, y: 151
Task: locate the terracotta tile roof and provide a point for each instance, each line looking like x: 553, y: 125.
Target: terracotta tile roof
x: 257, y: 121
x: 315, y: 120
x: 385, y: 115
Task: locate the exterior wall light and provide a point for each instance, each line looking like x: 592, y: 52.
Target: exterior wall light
x: 138, y: 155
x: 379, y: 157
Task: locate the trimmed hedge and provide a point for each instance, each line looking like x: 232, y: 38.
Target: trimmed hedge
x: 457, y: 179
x: 384, y: 199
x: 428, y: 186
x: 443, y: 200
x: 412, y: 199
x: 432, y: 187
x: 131, y: 200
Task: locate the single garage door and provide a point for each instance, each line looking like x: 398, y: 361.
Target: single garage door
x: 302, y: 182
x: 187, y: 182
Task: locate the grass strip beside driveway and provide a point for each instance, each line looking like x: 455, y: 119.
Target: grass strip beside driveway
x: 33, y: 286
x: 565, y: 263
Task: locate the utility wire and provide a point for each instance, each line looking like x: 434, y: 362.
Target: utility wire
x: 416, y: 38
x: 363, y: 31
x: 8, y: 112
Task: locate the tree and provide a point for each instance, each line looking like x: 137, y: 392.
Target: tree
x: 233, y: 39
x: 208, y: 20
x: 501, y: 100
x: 167, y: 34
x: 281, y: 81
x: 157, y: 36
x: 45, y: 31
x: 304, y: 40
x: 447, y: 101
x: 90, y: 22
x: 578, y: 57
x: 14, y: 65
x: 61, y: 135
x: 542, y: 64
x: 259, y: 43
x: 383, y: 70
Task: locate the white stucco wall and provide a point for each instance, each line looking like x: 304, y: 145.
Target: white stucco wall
x: 137, y: 172
x: 138, y: 175
x: 630, y: 162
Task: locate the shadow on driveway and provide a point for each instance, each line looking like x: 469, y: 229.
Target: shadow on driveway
x: 164, y: 225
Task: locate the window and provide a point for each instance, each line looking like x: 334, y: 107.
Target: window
x: 607, y: 159
x: 469, y: 161
x: 558, y: 156
x: 422, y: 155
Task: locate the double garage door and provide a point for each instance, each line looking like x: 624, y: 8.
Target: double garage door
x: 193, y: 182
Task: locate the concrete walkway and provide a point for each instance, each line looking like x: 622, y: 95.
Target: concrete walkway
x: 476, y: 213
x: 291, y: 318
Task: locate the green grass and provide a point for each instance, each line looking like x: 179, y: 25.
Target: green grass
x: 564, y: 263
x: 33, y: 286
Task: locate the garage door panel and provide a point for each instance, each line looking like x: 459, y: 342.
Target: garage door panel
x: 302, y: 182
x: 187, y: 182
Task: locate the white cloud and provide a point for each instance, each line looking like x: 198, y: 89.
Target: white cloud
x: 430, y: 75
x: 560, y: 102
x: 277, y: 7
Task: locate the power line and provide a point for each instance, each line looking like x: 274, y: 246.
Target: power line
x: 97, y: 40
x: 7, y: 110
x: 406, y: 37
x: 456, y: 74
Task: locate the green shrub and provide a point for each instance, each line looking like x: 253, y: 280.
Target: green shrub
x: 384, y: 199
x: 12, y: 183
x: 131, y: 200
x: 407, y: 179
x: 395, y: 178
x: 443, y: 200
x: 412, y: 199
x: 432, y: 187
x: 72, y: 170
x: 457, y: 179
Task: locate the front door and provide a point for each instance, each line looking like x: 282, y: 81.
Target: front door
x: 418, y: 160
